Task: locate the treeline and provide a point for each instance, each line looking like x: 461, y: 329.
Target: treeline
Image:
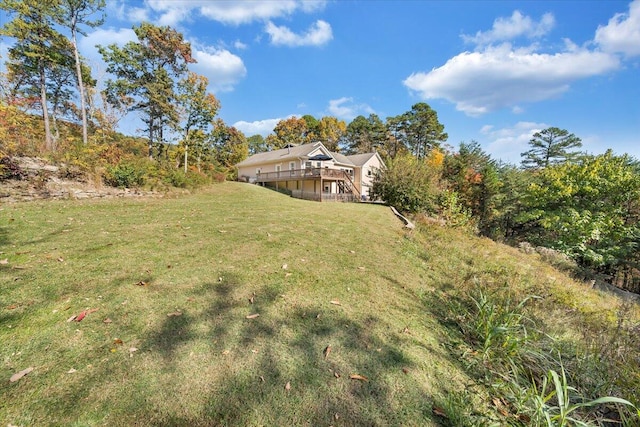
x: 48, y: 77
x: 585, y: 206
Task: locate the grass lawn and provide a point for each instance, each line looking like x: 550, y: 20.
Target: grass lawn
x: 217, y: 308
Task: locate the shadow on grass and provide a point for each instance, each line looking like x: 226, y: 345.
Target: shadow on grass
x: 286, y: 345
x: 213, y: 366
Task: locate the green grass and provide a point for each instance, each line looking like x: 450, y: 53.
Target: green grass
x: 205, y: 256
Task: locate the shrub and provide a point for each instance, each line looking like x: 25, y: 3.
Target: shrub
x: 124, y: 175
x: 408, y: 184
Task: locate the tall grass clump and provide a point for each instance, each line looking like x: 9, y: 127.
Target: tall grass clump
x: 521, y: 368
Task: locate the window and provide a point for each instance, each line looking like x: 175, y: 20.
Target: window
x: 308, y: 165
x: 278, y: 168
x: 368, y: 172
x: 318, y: 164
x: 292, y: 168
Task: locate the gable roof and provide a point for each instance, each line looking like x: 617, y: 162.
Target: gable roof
x: 306, y: 151
x: 361, y: 159
x: 283, y: 154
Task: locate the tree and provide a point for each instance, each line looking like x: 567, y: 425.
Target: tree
x: 199, y: 108
x: 312, y: 134
x: 331, y: 131
x: 257, y: 144
x: 549, y: 147
x: 39, y: 48
x: 418, y: 129
x: 229, y: 146
x: 291, y: 131
x: 472, y: 174
x: 73, y: 14
x: 146, y: 73
x: 590, y: 210
x: 365, y: 135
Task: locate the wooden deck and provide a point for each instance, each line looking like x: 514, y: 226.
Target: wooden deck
x: 304, y: 174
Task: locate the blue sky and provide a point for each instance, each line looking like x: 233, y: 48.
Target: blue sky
x: 495, y: 71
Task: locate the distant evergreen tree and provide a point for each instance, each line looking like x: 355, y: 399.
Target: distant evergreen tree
x: 549, y: 147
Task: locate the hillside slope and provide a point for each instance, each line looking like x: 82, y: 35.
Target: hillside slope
x: 241, y: 306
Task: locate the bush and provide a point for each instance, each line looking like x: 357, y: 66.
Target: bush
x: 409, y: 184
x: 191, y: 179
x: 124, y: 175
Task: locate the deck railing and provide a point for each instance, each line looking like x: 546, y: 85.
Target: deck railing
x: 309, y: 173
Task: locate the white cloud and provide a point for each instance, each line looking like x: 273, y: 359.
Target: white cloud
x: 104, y: 37
x: 318, y: 34
x: 223, y: 69
x: 503, y: 77
x: 345, y: 108
x: 239, y: 45
x: 138, y: 14
x: 258, y: 127
x: 230, y: 12
x: 622, y: 33
x: 517, y: 25
x: 508, y: 143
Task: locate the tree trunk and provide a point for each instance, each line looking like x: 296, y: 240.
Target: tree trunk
x: 186, y: 147
x: 48, y: 140
x: 83, y: 109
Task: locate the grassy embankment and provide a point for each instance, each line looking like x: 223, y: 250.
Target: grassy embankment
x: 168, y: 286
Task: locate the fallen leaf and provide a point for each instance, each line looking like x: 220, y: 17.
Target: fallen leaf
x: 132, y: 350
x: 405, y: 370
x: 358, y: 377
x: 107, y: 320
x: 251, y: 300
x: 439, y: 411
x: 118, y: 341
x: 287, y: 274
x: 261, y: 378
x: 12, y: 307
x: 222, y: 231
x: 72, y: 318
x: 361, y: 268
x: 337, y: 375
x: 327, y: 351
x: 71, y: 371
x: 174, y: 314
x: 285, y: 266
x: 335, y: 302
x: 80, y: 316
x: 500, y: 406
x: 141, y: 283
x: 60, y: 259
x: 287, y: 386
x: 252, y: 316
x: 352, y: 252
x: 4, y: 261
x: 225, y: 352
x: 15, y: 377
